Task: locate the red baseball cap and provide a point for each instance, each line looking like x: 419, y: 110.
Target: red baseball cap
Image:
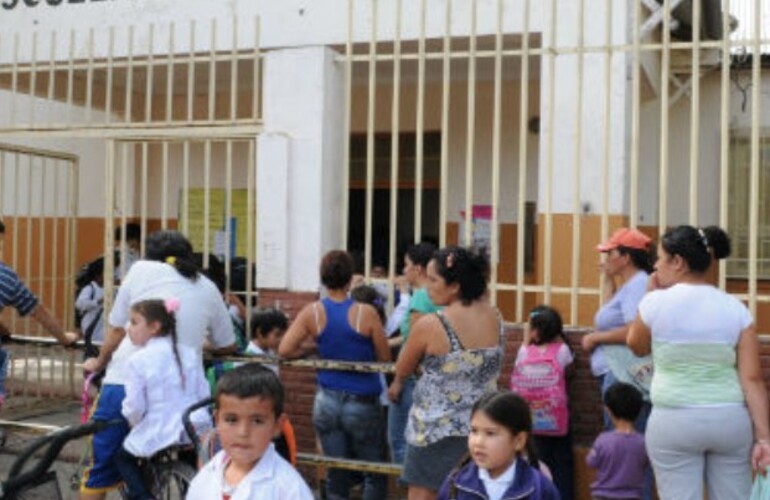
x: 625, y: 237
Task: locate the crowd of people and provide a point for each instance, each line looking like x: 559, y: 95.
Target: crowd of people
x: 676, y: 358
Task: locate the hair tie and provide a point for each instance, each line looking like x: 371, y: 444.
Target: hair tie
x: 171, y: 260
x: 703, y: 238
x: 172, y: 304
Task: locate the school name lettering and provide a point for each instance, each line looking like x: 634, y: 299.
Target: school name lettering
x: 12, y: 4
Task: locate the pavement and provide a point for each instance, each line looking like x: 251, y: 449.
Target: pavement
x: 66, y: 467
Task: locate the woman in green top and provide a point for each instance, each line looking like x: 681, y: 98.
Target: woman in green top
x: 710, y: 407
x: 415, y: 271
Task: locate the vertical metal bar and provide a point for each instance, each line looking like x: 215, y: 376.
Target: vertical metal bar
x: 445, y: 94
x: 70, y: 77
x: 57, y: 281
x: 370, y: 141
x: 150, y: 75
x: 186, y: 187
x: 145, y: 187
x: 695, y: 113
x: 191, y: 74
x: 471, y: 125
x: 212, y: 90
x: 577, y: 202
x: 16, y: 214
x: 251, y: 203
x: 164, y: 186
x: 14, y: 77
x: 394, y: 141
x: 228, y: 209
x: 170, y: 76
x: 124, y: 204
x: 257, y: 84
x: 234, y: 73
x: 346, y: 128
x: 635, y: 97
x: 108, y: 97
x: 33, y: 81
x: 128, y: 118
x: 30, y: 197
x: 548, y: 230
x: 420, y: 125
x: 206, y: 198
x: 41, y: 248
x: 109, y: 223
x: 756, y: 106
x: 51, y: 75
x: 636, y: 89
x: 90, y: 76
x: 496, y: 125
x: 70, y: 242
x: 665, y: 70
x: 724, y: 138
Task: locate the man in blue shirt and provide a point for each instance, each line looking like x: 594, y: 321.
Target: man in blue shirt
x: 14, y: 293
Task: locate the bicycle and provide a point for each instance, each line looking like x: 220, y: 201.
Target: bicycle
x: 168, y: 473
x: 39, y: 481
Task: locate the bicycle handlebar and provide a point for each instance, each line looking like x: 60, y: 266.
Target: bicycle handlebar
x: 55, y: 441
x: 189, y: 428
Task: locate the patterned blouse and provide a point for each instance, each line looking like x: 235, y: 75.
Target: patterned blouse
x: 449, y: 386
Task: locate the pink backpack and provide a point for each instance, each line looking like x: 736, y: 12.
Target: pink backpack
x: 539, y: 378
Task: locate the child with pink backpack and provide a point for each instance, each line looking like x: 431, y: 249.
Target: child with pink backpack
x: 539, y: 377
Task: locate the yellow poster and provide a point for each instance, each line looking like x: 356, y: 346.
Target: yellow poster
x: 213, y: 228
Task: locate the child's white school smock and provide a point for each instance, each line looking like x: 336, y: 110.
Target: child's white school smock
x: 156, y: 398
x: 272, y: 478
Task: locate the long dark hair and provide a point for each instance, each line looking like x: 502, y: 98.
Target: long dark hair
x: 155, y: 310
x: 547, y: 321
x: 512, y: 412
x: 697, y: 245
x: 174, y: 249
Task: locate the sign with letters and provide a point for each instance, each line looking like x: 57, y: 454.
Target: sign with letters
x: 14, y: 4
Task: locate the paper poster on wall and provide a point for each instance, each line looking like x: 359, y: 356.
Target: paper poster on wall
x: 217, y: 232
x: 481, y: 226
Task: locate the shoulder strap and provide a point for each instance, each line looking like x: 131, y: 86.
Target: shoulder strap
x: 358, y: 317
x: 454, y: 342
x: 501, y: 324
x: 317, y: 322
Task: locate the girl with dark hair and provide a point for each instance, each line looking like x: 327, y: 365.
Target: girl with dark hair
x: 163, y: 379
x: 710, y: 407
x: 503, y: 462
x: 460, y: 353
x: 539, y: 376
x: 168, y: 270
x: 347, y: 414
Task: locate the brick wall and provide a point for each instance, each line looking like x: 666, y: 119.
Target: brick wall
x: 585, y: 403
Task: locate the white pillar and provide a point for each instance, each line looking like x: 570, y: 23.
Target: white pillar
x: 299, y: 180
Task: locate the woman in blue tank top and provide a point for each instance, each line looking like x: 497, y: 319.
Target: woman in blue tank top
x: 347, y: 414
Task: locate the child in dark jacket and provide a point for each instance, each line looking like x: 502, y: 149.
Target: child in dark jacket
x: 502, y: 462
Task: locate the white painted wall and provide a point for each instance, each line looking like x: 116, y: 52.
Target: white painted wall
x: 679, y: 149
x: 285, y: 23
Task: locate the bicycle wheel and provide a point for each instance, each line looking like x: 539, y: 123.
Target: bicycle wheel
x: 172, y: 480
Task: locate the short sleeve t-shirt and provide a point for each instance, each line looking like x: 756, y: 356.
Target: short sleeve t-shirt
x: 620, y: 460
x: 419, y: 303
x: 202, y: 314
x: 14, y: 293
x: 695, y: 330
x: 564, y: 356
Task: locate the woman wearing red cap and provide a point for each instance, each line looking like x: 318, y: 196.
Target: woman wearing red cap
x: 629, y: 261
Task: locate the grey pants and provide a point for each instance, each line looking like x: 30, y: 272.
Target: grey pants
x: 692, y: 446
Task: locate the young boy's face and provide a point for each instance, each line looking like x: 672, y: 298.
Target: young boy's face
x: 273, y: 338
x: 246, y: 428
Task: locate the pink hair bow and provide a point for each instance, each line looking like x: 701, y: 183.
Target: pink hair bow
x: 172, y: 305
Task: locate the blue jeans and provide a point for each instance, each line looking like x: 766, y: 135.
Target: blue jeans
x: 607, y: 380
x: 350, y: 426
x: 3, y: 370
x: 398, y: 414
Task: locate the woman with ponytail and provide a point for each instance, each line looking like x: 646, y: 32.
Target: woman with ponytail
x: 710, y: 407
x: 460, y: 353
x: 163, y: 379
x: 167, y: 270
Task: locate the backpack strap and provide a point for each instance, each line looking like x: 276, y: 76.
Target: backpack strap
x: 454, y: 342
